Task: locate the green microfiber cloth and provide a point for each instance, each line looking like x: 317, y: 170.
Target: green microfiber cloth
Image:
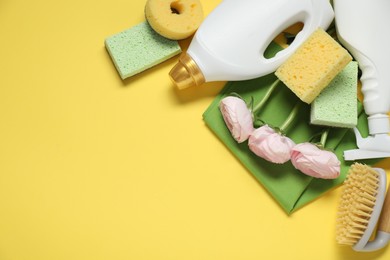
x: 337, y: 104
x: 289, y: 187
x: 139, y: 48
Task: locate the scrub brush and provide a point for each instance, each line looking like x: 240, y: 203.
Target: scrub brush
x: 361, y: 205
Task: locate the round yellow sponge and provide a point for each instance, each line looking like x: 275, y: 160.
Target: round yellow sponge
x: 174, y: 19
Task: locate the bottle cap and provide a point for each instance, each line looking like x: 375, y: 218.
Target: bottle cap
x: 186, y: 73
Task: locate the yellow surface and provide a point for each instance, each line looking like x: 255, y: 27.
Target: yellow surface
x: 92, y: 167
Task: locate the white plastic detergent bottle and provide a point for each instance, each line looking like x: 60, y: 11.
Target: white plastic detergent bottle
x: 230, y: 43
x: 360, y: 27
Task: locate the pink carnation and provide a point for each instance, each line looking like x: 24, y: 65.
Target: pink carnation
x: 269, y: 145
x: 238, y: 118
x: 315, y: 162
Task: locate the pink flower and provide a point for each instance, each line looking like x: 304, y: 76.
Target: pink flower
x: 238, y: 117
x: 315, y: 162
x: 269, y: 145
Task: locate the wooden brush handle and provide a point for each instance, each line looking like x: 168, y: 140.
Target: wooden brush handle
x: 384, y: 221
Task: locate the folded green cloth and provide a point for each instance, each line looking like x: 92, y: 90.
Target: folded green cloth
x: 291, y: 188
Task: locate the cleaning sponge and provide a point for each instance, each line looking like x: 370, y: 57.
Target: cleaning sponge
x: 337, y: 104
x: 313, y: 66
x: 139, y: 48
x: 174, y: 19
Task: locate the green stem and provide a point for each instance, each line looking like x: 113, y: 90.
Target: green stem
x: 290, y: 117
x: 324, y: 136
x: 266, y: 96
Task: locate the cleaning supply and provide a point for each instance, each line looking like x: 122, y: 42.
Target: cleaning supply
x: 174, y: 19
x: 139, y: 48
x: 360, y: 207
x: 358, y: 24
x: 336, y: 106
x: 313, y: 66
x: 291, y: 189
x: 230, y: 43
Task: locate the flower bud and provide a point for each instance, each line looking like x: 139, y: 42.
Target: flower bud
x: 315, y: 162
x: 237, y: 117
x: 269, y: 145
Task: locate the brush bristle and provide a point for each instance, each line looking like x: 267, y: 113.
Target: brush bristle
x: 357, y: 202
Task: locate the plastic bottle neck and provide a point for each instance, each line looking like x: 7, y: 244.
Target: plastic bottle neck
x: 186, y: 73
x: 379, y: 124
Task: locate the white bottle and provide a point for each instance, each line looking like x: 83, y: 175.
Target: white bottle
x: 230, y: 43
x: 359, y: 25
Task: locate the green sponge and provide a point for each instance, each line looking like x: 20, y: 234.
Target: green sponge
x: 337, y: 104
x: 139, y: 48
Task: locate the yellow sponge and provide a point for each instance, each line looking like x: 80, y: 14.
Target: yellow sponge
x: 174, y: 19
x: 313, y: 66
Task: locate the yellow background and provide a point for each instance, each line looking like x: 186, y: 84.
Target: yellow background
x: 93, y: 167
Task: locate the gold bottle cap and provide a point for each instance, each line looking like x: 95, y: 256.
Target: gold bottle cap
x: 186, y: 73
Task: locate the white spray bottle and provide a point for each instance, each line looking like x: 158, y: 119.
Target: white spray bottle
x: 359, y: 26
x: 230, y: 43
